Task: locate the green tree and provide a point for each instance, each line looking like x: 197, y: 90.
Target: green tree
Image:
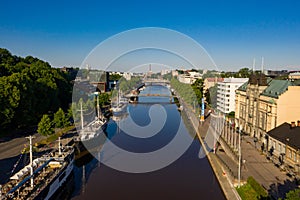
x: 29, y: 87
x: 45, y: 126
x: 293, y: 195
x: 9, y: 99
x: 60, y: 120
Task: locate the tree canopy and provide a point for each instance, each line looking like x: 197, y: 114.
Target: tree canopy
x: 45, y: 126
x: 29, y: 88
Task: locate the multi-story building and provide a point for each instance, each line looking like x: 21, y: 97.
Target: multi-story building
x: 264, y: 103
x: 226, y: 94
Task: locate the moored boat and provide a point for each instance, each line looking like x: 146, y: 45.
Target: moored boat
x: 42, y: 178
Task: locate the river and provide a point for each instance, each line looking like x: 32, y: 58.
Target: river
x: 187, y: 177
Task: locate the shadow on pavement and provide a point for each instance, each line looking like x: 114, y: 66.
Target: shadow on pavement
x: 278, y: 190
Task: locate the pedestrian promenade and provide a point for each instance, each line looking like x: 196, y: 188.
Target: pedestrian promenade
x: 255, y: 164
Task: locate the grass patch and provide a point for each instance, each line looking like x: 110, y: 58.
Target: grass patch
x: 56, y: 135
x: 246, y: 192
x: 252, y: 190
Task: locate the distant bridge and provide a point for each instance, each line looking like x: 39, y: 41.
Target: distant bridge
x: 155, y: 95
x: 156, y: 82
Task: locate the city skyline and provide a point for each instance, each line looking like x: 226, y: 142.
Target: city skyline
x: 233, y: 33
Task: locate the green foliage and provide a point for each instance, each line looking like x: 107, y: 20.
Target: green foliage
x: 246, y: 192
x: 198, y: 89
x: 29, y: 87
x: 242, y: 73
x: 9, y: 99
x: 114, y: 77
x: 293, y: 195
x: 45, y: 126
x: 261, y: 192
x: 126, y: 86
x: 231, y: 114
x: 252, y: 190
x: 167, y: 76
x: 60, y: 120
x: 185, y: 91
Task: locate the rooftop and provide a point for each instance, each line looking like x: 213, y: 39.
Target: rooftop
x: 235, y: 80
x: 287, y: 134
x: 276, y: 88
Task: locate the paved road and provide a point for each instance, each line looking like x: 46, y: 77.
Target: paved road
x: 15, y: 146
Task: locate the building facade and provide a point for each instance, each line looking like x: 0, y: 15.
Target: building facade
x: 294, y: 76
x: 189, y: 77
x: 210, y: 82
x: 226, y: 93
x: 284, y: 145
x: 264, y: 103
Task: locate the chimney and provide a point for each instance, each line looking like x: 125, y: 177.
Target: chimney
x: 293, y: 124
x: 298, y: 123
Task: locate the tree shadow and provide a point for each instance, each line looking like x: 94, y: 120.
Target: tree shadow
x: 278, y: 190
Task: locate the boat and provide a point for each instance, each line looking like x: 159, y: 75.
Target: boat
x: 43, y: 177
x: 94, y: 128
x: 120, y: 106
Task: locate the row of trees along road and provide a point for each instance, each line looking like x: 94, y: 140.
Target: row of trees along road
x: 29, y: 88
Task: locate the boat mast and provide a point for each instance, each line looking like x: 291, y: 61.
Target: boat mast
x: 59, y: 146
x: 31, y: 164
x: 98, y: 105
x: 81, y: 115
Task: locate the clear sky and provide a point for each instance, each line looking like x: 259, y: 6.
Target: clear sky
x: 232, y: 32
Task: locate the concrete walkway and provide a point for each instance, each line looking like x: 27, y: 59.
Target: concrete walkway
x: 224, y: 181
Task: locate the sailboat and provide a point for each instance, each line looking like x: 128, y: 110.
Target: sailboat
x: 94, y: 128
x: 120, y: 106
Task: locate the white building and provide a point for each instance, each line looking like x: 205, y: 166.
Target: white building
x: 226, y: 93
x: 127, y: 75
x: 189, y: 77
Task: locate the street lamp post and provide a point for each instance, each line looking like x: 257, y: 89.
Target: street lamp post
x: 240, y: 157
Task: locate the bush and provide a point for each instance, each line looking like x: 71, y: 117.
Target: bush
x: 261, y: 192
x: 246, y: 192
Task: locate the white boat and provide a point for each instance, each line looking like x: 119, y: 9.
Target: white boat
x: 43, y: 177
x: 94, y: 128
x: 120, y: 106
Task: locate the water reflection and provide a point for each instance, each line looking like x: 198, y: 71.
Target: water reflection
x: 187, y: 178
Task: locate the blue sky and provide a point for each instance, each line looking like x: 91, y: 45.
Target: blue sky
x: 233, y: 32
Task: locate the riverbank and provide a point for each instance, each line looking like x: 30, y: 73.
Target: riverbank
x: 225, y: 183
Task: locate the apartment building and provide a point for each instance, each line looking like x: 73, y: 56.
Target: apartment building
x: 226, y: 93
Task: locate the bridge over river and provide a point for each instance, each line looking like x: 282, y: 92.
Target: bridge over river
x: 134, y: 98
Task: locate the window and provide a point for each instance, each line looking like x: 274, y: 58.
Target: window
x: 290, y: 154
x: 295, y: 156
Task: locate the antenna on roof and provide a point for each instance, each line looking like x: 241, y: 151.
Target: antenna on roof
x: 253, y: 66
x: 262, y: 65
